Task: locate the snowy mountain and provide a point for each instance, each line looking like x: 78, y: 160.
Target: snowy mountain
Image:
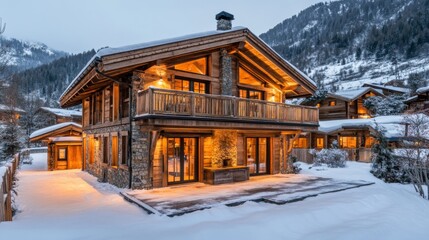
x: 346, y: 43
x: 22, y: 55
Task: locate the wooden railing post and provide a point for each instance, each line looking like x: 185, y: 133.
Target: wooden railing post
x: 192, y: 104
x: 151, y: 100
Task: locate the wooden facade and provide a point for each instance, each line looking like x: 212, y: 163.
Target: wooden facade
x: 207, y: 108
x: 64, y: 143
x: 347, y: 104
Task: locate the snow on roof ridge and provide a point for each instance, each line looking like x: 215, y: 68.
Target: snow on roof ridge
x: 53, y: 128
x: 382, y: 86
x: 63, y: 112
x: 5, y: 108
x: 422, y: 90
x: 66, y: 139
x: 351, y: 93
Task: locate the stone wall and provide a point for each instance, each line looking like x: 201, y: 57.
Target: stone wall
x: 116, y: 175
x: 225, y: 73
x: 141, y: 168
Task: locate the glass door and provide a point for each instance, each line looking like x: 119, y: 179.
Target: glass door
x: 258, y: 155
x: 182, y: 159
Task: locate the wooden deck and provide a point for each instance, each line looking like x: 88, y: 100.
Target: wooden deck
x: 155, y: 101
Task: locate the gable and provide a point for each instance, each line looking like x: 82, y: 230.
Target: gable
x: 239, y: 42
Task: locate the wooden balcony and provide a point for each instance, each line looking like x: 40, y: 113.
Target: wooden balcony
x: 155, y: 101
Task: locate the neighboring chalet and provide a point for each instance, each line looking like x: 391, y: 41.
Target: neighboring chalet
x: 345, y: 104
x: 206, y: 107
x: 45, y: 116
x: 420, y: 101
x: 64, y: 143
x: 7, y: 112
x: 387, y: 90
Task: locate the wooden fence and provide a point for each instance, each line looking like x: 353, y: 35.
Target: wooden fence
x: 7, y: 174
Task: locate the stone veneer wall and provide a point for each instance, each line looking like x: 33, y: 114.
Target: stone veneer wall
x: 141, y: 169
x: 118, y: 176
x: 225, y: 73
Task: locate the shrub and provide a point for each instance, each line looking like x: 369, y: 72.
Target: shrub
x: 333, y: 158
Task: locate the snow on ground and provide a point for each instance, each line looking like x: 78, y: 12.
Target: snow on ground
x: 73, y: 205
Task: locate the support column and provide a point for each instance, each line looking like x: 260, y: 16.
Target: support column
x: 225, y: 73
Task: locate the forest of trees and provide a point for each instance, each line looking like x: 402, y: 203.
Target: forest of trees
x: 392, y: 30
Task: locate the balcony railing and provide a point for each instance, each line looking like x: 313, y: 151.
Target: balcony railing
x: 155, y: 101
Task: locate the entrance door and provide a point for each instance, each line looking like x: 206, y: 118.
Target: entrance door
x: 182, y: 160
x: 258, y: 155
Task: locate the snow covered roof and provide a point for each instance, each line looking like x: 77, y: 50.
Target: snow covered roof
x: 63, y: 112
x: 411, y: 99
x: 390, y: 88
x: 352, y: 94
x: 66, y: 139
x: 422, y: 90
x: 394, y: 125
x: 108, y: 51
x: 53, y: 128
x: 7, y: 108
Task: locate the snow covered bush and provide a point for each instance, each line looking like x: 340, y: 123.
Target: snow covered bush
x: 385, y: 165
x: 333, y: 157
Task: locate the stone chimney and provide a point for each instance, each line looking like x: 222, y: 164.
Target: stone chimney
x: 224, y: 21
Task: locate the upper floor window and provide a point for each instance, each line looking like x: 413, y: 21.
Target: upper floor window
x: 248, y: 79
x: 191, y: 85
x: 198, y: 66
x: 332, y: 103
x: 251, y: 94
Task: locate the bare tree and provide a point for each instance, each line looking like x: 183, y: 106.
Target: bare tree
x: 415, y: 154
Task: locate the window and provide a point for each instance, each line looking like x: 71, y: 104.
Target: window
x: 348, y: 142
x: 114, y: 103
x: 115, y: 151
x: 198, y: 66
x: 98, y: 107
x: 105, y: 150
x: 247, y: 79
x: 251, y: 94
x: 320, y: 143
x: 62, y: 153
x: 332, y: 103
x: 91, y: 149
x: 124, y: 150
x: 369, y: 142
x: 191, y: 85
x: 300, y: 143
x: 318, y: 105
x: 125, y: 100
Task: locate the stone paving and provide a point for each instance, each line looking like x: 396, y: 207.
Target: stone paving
x: 275, y: 189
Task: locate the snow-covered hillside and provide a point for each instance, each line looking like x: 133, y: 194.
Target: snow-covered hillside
x: 20, y: 55
x: 342, y: 44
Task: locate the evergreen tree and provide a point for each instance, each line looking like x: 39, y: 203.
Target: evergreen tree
x: 384, y: 165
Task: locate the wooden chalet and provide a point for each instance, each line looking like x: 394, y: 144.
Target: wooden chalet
x: 206, y: 107
x: 64, y: 143
x: 419, y: 102
x: 45, y: 116
x: 7, y: 112
x: 345, y: 104
x: 387, y: 90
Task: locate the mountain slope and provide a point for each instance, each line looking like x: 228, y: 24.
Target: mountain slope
x: 346, y: 43
x: 48, y: 81
x: 21, y: 55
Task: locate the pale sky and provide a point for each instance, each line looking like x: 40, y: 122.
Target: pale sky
x: 79, y: 25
